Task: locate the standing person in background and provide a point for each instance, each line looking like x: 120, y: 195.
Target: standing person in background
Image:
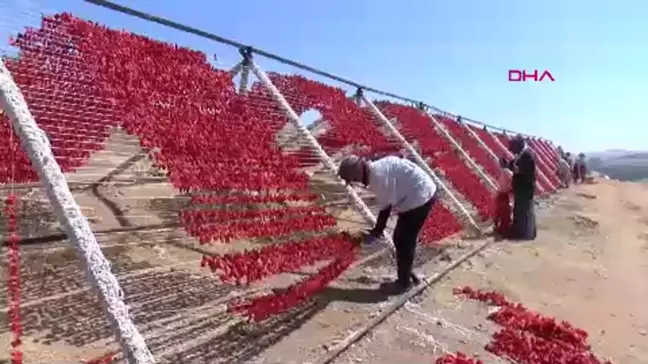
x: 523, y: 185
x: 580, y: 169
x: 570, y: 160
x: 561, y: 152
x: 400, y: 184
x: 502, y: 221
x: 564, y: 173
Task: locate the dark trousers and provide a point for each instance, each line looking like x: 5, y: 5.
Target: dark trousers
x: 524, y: 222
x: 408, y: 227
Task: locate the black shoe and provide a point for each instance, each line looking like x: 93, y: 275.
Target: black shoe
x: 394, y: 288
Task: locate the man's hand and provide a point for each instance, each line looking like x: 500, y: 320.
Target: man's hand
x: 370, y: 238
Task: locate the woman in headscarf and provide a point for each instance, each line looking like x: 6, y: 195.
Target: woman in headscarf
x: 523, y: 184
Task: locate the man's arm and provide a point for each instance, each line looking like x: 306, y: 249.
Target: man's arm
x: 505, y: 163
x: 381, y: 222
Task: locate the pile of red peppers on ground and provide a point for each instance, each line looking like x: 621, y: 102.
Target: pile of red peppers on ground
x: 527, y: 337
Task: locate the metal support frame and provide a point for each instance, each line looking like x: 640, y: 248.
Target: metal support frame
x: 245, y: 69
x: 417, y: 157
x: 545, y: 150
x: 485, y: 146
x: 541, y: 160
x: 467, y: 158
x: 510, y: 155
x: 293, y: 118
x: 243, y: 84
x: 547, y: 160
x: 236, y: 69
x: 490, y: 151
x: 105, y: 283
x: 478, y: 139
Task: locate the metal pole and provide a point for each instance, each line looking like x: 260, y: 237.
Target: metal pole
x: 421, y: 162
x: 245, y: 75
x: 236, y: 69
x: 479, y: 140
x: 510, y: 155
x: 106, y: 285
x: 546, y: 151
x: 466, y: 156
x: 319, y: 151
x: 541, y: 160
x: 485, y: 146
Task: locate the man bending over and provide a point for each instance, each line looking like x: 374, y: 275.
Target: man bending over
x: 402, y: 185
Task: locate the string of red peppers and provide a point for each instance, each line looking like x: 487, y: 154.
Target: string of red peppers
x: 203, y: 216
x: 227, y: 231
x: 349, y: 125
x: 253, y: 265
x: 457, y: 358
x: 14, y: 279
x: 62, y: 109
x: 471, y: 146
x: 252, y: 199
x: 260, y: 308
x: 527, y: 337
x: 415, y: 125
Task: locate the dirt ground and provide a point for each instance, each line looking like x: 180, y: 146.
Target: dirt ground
x: 588, y: 267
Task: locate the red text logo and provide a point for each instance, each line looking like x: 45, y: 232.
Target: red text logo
x: 535, y: 75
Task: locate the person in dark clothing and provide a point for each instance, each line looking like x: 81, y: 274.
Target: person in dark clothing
x: 523, y: 185
x: 580, y: 169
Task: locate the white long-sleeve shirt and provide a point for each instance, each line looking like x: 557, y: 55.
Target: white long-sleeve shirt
x: 400, y: 183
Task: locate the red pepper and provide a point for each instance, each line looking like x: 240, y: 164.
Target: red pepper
x: 261, y: 308
x: 457, y: 358
x: 527, y: 337
x: 254, y: 265
x: 417, y: 126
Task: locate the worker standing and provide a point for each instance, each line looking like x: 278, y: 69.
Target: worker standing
x: 523, y: 184
x: 502, y: 221
x: 401, y: 185
x: 564, y: 173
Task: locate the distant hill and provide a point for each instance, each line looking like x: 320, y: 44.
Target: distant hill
x: 624, y: 165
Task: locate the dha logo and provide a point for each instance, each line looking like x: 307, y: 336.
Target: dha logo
x: 525, y: 76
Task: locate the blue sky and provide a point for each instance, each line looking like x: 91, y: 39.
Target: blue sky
x: 451, y: 54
